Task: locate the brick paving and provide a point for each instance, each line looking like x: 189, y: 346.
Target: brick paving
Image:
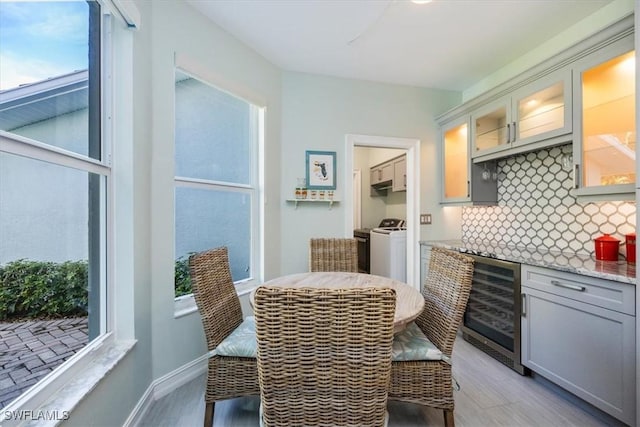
x: 30, y: 350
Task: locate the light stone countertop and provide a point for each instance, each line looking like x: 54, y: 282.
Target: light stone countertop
x: 585, y: 265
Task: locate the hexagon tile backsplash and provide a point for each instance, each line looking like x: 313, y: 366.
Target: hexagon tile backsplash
x: 536, y: 208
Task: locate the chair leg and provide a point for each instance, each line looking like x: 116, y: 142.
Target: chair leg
x: 208, y: 413
x: 448, y: 418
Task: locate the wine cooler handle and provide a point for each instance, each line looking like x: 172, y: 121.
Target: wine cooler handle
x: 523, y: 309
x: 567, y: 286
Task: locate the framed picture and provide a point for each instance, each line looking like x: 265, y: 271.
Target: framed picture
x: 321, y: 170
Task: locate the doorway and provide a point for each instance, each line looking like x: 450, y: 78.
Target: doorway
x: 412, y: 149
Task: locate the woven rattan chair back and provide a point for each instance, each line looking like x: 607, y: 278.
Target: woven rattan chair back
x: 333, y: 254
x: 215, y: 294
x: 324, y: 355
x: 446, y: 292
x: 219, y: 307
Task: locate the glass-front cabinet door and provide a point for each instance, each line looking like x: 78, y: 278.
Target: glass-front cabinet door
x: 455, y: 152
x: 542, y: 109
x: 491, y: 128
x: 536, y: 113
x: 605, y: 136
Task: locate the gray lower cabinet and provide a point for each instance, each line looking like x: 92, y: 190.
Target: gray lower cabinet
x: 579, y: 332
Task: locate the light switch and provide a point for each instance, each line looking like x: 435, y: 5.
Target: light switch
x: 425, y: 218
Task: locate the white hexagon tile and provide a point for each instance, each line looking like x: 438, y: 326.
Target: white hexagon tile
x: 536, y: 208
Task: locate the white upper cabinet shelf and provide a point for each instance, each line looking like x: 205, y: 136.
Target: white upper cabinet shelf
x: 330, y: 202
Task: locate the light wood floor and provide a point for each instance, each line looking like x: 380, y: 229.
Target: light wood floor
x: 490, y: 395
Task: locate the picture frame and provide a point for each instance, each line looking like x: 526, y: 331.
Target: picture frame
x: 321, y: 170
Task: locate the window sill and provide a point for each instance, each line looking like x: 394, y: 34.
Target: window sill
x: 185, y: 305
x: 57, y: 395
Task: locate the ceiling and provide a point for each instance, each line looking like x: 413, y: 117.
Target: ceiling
x: 445, y: 44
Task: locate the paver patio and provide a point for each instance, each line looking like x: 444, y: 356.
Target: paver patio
x: 30, y: 350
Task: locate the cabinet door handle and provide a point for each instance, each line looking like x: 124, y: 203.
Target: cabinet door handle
x: 508, y: 132
x: 468, y: 188
x: 568, y: 286
x: 523, y: 309
x: 514, y: 132
x: 576, y: 171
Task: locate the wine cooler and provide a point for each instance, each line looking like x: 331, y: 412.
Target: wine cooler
x: 492, y: 319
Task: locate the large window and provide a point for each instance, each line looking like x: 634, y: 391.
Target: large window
x: 216, y: 166
x: 54, y: 181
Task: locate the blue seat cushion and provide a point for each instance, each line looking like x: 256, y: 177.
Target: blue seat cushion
x: 241, y: 342
x: 412, y: 344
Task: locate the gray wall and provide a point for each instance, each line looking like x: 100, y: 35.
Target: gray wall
x: 178, y: 341
x: 45, y: 200
x: 165, y: 343
x: 303, y: 112
x: 317, y: 114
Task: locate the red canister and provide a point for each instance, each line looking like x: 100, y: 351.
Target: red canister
x: 607, y: 248
x: 631, y: 247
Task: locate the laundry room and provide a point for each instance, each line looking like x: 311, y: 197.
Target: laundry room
x: 380, y: 210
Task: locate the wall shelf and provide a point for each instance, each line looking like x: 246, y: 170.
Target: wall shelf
x: 296, y: 201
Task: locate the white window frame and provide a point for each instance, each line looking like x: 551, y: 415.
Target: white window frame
x: 61, y: 391
x: 185, y: 304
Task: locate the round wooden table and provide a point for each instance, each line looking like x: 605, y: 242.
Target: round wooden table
x: 409, y: 301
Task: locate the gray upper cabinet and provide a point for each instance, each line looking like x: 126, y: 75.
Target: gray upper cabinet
x: 399, y: 174
x: 604, y: 148
x: 584, y: 96
x: 532, y: 117
x: 490, y: 128
x: 382, y: 175
x: 543, y: 110
x: 462, y: 181
x: 389, y: 175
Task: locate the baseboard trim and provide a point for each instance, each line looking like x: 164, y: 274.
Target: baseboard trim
x: 165, y: 385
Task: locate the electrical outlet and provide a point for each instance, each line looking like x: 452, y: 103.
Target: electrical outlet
x: 425, y: 218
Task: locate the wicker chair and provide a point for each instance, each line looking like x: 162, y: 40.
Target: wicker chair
x: 324, y: 355
x: 228, y: 376
x: 446, y: 292
x: 333, y: 254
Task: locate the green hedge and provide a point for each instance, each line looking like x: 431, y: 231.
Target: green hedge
x: 182, y: 277
x: 36, y: 289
